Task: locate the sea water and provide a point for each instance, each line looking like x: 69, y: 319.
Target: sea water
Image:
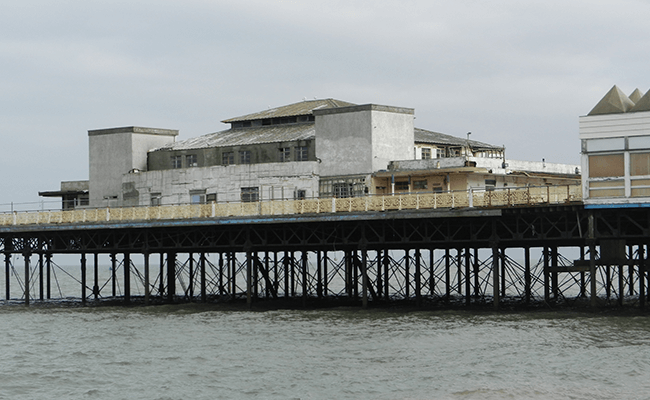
x: 209, y: 352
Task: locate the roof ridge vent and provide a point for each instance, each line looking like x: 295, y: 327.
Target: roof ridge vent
x: 614, y: 102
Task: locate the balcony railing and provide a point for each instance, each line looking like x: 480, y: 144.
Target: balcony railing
x: 498, y: 198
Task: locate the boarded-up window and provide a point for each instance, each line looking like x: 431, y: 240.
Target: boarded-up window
x: 640, y: 164
x: 606, y: 165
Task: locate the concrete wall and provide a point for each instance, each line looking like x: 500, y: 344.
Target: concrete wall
x: 362, y: 139
x: 115, y: 152
x: 275, y: 180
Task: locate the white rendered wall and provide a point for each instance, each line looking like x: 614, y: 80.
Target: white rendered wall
x: 111, y: 156
x: 275, y: 181
x: 362, y: 139
x: 109, y: 159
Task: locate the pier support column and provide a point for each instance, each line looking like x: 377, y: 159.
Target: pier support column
x: 7, y: 276
x: 190, y: 287
x: 287, y: 291
x: 364, y: 277
x: 114, y: 274
x: 204, y: 294
x: 432, y: 277
x: 96, y: 276
x: 407, y: 274
x: 418, y: 278
x: 161, y: 276
x: 477, y: 282
x: 592, y: 273
x: 221, y: 274
x: 40, y: 276
x: 26, y: 256
x: 249, y: 298
x: 319, y: 274
x: 83, y: 278
x: 147, y: 288
x: 386, y: 260
x: 547, y: 289
x: 447, y: 275
x: 527, y: 279
x: 171, y: 276
x: 459, y: 264
x: 325, y: 273
x: 48, y: 281
x: 495, y: 276
x: 621, y: 286
x: 305, y: 287
x: 127, y: 278
x: 642, y: 277
x: 554, y: 273
x: 468, y: 289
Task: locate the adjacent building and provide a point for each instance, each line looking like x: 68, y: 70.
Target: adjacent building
x: 615, y: 138
x: 316, y: 148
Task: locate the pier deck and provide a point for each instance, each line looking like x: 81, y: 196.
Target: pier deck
x: 521, y: 245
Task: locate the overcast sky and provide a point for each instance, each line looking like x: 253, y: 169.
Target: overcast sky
x: 514, y: 73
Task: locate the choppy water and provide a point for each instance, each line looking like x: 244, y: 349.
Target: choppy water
x: 198, y: 352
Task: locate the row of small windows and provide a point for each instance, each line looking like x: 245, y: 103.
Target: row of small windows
x: 300, y: 153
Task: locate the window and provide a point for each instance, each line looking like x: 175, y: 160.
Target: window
x: 420, y: 185
x: 245, y: 157
x: 191, y: 160
x: 300, y: 194
x: 197, y: 196
x: 608, y: 165
x: 342, y: 189
x: 285, y: 154
x: 227, y: 158
x: 440, y: 153
x: 436, y: 188
x: 490, y: 184
x: 402, y: 185
x: 250, y: 194
x: 177, y: 162
x: 639, y: 164
x: 426, y: 153
x: 211, y: 197
x: 302, y: 153
x: 155, y: 199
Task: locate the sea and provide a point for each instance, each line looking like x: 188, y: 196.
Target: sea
x: 205, y: 351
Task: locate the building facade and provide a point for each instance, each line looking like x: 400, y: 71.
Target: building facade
x: 615, y: 139
x: 316, y: 148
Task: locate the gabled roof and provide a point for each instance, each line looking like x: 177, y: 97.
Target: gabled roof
x: 615, y: 101
x: 247, y: 136
x: 292, y: 110
x: 424, y: 136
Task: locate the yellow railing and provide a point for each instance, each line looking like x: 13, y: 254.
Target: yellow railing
x: 500, y: 198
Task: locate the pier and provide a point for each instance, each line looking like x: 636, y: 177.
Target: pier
x: 516, y: 246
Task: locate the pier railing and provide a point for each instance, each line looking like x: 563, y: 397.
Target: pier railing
x: 497, y: 198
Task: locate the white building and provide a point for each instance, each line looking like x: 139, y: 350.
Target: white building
x: 312, y: 148
x: 615, y: 138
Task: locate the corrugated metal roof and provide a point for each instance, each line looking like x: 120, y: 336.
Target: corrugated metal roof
x: 301, y: 131
x: 303, y: 108
x: 424, y: 136
x: 247, y: 136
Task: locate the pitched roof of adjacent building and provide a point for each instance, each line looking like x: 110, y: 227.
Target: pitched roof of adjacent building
x: 430, y: 137
x: 297, y: 131
x: 247, y: 136
x: 292, y: 110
